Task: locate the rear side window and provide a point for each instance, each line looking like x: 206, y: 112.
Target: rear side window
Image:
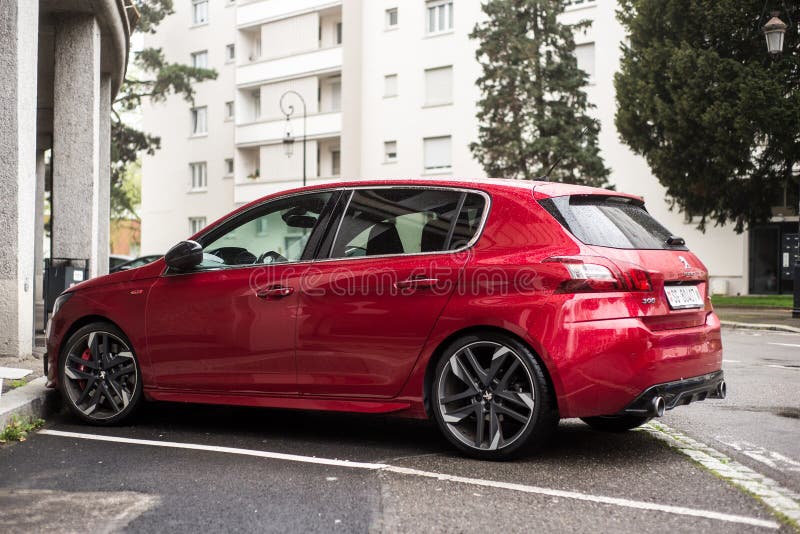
x: 614, y: 222
x: 386, y: 221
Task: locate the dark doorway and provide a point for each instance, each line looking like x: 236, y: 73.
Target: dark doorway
x: 770, y: 246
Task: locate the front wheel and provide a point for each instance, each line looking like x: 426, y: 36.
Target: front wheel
x: 98, y: 374
x: 490, y: 397
x: 615, y: 423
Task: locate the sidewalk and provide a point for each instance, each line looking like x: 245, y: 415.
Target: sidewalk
x: 777, y: 318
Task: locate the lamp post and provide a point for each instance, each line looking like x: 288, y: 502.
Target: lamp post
x: 288, y: 139
x: 775, y: 33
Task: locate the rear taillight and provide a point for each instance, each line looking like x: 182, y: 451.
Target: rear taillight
x: 588, y: 274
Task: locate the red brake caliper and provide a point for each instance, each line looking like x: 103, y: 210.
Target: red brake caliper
x: 87, y: 355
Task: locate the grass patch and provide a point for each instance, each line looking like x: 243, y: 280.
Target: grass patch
x: 18, y: 429
x: 17, y: 383
x: 753, y: 301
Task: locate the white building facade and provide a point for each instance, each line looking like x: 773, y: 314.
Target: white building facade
x: 389, y: 91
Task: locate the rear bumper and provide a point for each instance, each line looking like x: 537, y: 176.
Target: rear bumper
x: 679, y: 393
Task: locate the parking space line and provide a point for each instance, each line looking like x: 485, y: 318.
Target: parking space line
x: 600, y: 499
x: 773, y: 459
x: 792, y: 345
x: 780, y: 500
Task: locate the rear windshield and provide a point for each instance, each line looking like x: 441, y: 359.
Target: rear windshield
x: 614, y: 222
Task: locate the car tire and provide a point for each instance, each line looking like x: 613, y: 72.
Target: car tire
x: 498, y: 403
x: 99, y: 376
x: 615, y: 423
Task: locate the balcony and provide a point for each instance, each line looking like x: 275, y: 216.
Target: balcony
x: 260, y: 11
x: 272, y: 131
x: 319, y: 61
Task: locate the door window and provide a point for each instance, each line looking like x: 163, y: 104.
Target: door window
x: 407, y: 221
x: 277, y: 232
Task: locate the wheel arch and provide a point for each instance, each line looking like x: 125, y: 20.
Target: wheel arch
x: 74, y: 327
x: 471, y: 330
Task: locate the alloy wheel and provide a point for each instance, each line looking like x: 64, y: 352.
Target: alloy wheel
x: 486, y: 395
x: 100, y: 375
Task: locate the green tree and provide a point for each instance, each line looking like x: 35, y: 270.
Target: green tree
x: 533, y: 106
x: 715, y: 117
x: 150, y: 77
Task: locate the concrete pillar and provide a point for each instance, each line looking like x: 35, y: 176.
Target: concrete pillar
x: 104, y: 190
x: 38, y: 228
x: 76, y: 140
x: 19, y: 30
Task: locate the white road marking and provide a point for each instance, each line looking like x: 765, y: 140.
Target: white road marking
x: 614, y: 501
x: 773, y: 459
x: 730, y: 361
x: 776, y: 497
x: 776, y: 366
x: 785, y: 345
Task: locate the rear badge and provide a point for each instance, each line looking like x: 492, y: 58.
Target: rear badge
x: 684, y: 262
x: 649, y: 300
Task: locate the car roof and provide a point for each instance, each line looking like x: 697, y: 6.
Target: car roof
x: 539, y: 189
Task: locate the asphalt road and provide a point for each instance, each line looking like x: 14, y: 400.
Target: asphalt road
x: 584, y: 481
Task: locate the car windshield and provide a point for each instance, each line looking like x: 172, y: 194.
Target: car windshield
x: 615, y: 222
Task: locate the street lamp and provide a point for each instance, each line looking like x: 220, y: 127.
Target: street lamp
x: 288, y: 139
x: 775, y: 32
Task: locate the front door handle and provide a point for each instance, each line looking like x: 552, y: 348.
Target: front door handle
x: 416, y: 283
x: 274, y: 292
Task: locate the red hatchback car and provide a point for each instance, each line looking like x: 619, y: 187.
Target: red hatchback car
x: 494, y: 307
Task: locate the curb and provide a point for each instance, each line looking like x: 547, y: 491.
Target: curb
x: 761, y: 326
x: 31, y: 400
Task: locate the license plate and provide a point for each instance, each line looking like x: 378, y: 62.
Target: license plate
x: 683, y: 297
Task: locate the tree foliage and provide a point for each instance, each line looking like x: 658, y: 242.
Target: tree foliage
x: 715, y: 117
x: 533, y: 106
x: 150, y: 77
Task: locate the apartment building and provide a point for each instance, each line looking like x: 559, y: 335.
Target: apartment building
x: 388, y: 89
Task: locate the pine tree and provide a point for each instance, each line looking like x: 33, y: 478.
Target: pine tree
x: 715, y: 116
x: 533, y: 108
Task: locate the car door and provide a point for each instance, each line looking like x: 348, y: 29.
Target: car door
x: 229, y: 325
x: 366, y: 309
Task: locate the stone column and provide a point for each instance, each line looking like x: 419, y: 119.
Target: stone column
x: 19, y: 31
x: 104, y: 191
x: 76, y: 140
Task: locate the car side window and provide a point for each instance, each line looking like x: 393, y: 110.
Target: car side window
x: 384, y: 221
x: 274, y: 233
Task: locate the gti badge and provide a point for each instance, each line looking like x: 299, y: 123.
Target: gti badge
x: 684, y: 262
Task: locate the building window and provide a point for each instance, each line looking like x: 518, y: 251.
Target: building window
x: 256, y: 96
x: 230, y: 52
x: 439, y: 86
x: 584, y: 53
x: 336, y: 162
x: 199, y: 171
x: 200, y: 59
x: 229, y: 111
x: 228, y: 166
x: 196, y: 224
x: 199, y: 11
x: 390, y: 151
x: 439, y: 16
x: 338, y: 33
x: 390, y: 85
x: 200, y: 120
x: 391, y: 18
x: 438, y: 153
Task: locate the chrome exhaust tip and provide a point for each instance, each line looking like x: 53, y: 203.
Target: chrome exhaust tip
x: 722, y: 390
x: 657, y: 406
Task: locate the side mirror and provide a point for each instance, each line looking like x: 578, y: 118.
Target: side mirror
x: 184, y: 256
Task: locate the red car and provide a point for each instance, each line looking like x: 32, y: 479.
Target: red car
x: 494, y: 307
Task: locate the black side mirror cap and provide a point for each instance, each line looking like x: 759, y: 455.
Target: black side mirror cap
x: 184, y: 256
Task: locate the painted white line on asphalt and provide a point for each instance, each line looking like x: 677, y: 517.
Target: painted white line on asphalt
x: 785, y: 345
x: 776, y: 497
x: 775, y: 460
x: 776, y: 366
x: 614, y: 501
x: 730, y: 361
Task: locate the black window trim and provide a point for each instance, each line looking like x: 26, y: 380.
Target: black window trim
x: 475, y: 238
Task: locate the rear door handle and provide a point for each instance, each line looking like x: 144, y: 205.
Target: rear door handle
x: 274, y: 293
x: 416, y: 283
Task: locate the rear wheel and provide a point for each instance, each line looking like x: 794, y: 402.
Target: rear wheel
x: 98, y: 374
x: 615, y: 423
x: 490, y: 397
